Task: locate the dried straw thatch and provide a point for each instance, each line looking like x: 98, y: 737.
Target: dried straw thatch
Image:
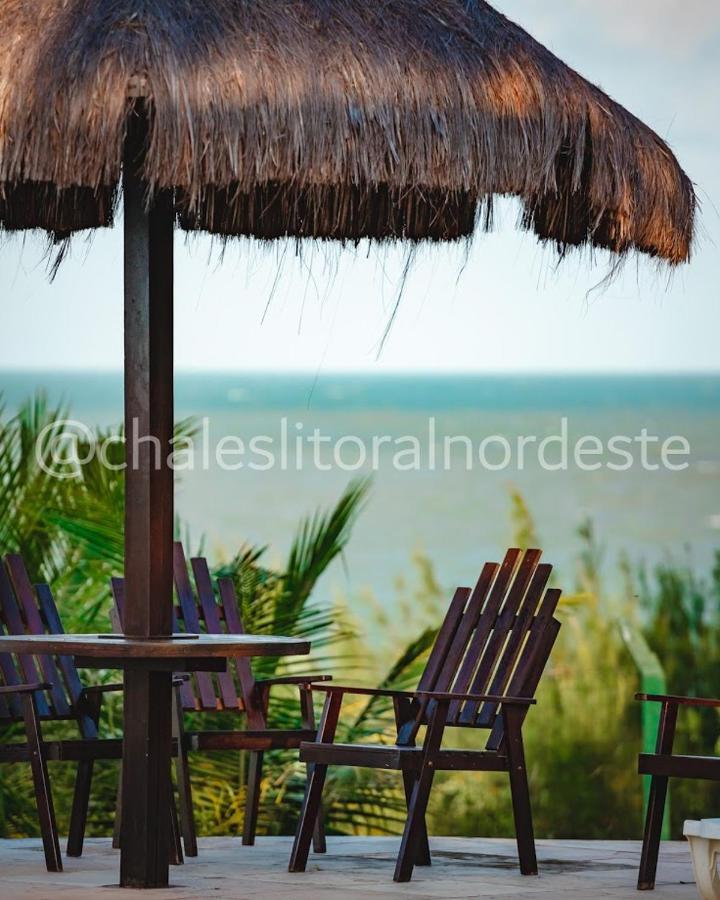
x: 325, y: 118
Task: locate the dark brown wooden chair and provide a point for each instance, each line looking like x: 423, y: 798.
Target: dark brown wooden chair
x: 663, y: 765
x: 56, y: 693
x: 18, y: 702
x: 482, y: 672
x: 27, y: 608
x: 199, y: 610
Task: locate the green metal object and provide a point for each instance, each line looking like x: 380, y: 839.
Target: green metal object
x: 652, y: 681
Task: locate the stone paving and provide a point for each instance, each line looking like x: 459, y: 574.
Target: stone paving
x: 357, y: 867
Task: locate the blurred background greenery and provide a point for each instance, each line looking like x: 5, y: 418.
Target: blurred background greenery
x: 582, y: 740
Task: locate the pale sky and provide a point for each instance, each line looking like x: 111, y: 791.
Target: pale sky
x: 507, y: 307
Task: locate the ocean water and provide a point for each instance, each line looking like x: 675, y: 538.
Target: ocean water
x: 433, y: 498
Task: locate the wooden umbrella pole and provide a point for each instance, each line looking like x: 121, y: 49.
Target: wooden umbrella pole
x: 148, y: 287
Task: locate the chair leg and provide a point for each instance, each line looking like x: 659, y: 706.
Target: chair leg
x: 522, y: 813
x: 83, y: 784
x: 41, y: 781
x: 412, y: 839
x: 519, y: 790
x: 252, y: 799
x: 656, y: 801
x: 308, y: 720
x: 182, y: 773
x: 319, y: 843
x: 423, y: 850
x: 78, y: 815
x: 176, y: 853
x: 117, y: 825
x: 316, y: 783
x: 308, y: 817
x: 653, y: 831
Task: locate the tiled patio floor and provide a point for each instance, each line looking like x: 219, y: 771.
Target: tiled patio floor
x: 357, y: 867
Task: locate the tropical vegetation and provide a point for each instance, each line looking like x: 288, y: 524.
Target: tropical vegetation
x: 582, y: 749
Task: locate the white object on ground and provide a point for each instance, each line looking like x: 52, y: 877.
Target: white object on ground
x: 704, y: 840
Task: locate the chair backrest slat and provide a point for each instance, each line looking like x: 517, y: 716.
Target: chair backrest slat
x: 495, y: 640
x: 191, y: 622
x: 213, y: 624
x: 12, y: 705
x: 27, y: 608
x: 541, y: 640
x: 446, y: 663
x: 14, y: 624
x: 55, y: 626
x: 220, y: 614
x: 444, y: 639
x: 466, y: 628
x: 34, y: 625
x: 517, y: 634
x: 484, y: 627
x: 543, y: 631
x: 503, y: 620
x: 66, y: 664
x: 228, y: 597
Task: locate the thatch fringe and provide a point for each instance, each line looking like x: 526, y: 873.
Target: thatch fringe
x: 324, y: 118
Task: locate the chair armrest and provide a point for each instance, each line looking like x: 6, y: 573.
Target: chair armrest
x: 117, y: 687
x: 681, y: 701
x: 103, y: 688
x: 361, y: 691
x: 302, y: 682
x: 23, y: 688
x: 479, y: 698
x: 422, y: 695
x: 292, y: 679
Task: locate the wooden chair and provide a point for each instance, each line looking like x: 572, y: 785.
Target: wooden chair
x: 47, y: 689
x: 482, y: 672
x: 237, y: 690
x: 27, y: 608
x: 18, y: 702
x: 661, y: 766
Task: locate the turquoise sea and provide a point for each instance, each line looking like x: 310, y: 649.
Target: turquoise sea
x: 458, y: 516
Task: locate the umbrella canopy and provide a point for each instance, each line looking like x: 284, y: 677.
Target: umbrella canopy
x: 324, y: 118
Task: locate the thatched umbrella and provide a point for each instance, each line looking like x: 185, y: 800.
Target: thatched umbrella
x: 394, y: 120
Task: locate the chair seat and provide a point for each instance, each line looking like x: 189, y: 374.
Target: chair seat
x: 67, y: 750
x: 265, y: 739
x: 392, y: 756
x: 677, y: 766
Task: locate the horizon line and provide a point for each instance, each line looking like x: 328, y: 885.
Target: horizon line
x: 408, y: 373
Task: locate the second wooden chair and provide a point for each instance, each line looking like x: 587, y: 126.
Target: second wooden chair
x: 482, y: 672
x: 198, y: 609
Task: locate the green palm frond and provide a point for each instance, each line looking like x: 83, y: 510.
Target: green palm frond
x: 101, y: 540
x: 403, y: 675
x: 273, y: 602
x: 320, y: 539
x: 27, y: 487
x: 92, y: 512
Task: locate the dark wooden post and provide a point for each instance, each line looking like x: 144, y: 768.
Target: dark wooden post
x: 148, y: 249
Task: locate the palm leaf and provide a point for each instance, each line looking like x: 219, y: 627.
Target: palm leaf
x: 320, y: 539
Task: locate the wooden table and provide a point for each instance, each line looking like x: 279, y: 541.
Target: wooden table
x: 157, y: 658
x: 181, y: 653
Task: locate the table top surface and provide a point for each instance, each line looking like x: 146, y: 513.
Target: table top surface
x: 178, y: 647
